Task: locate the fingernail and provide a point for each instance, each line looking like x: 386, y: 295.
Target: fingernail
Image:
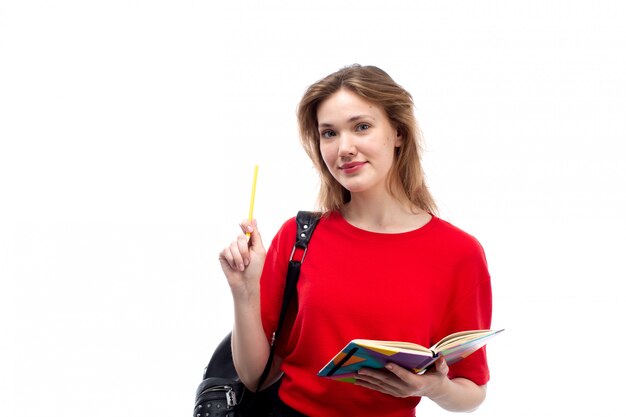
x: 250, y: 229
x: 241, y: 267
x: 389, y: 366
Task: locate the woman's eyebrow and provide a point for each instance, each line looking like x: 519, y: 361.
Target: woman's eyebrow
x: 350, y: 120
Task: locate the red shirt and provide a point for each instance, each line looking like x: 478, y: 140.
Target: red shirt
x: 417, y: 286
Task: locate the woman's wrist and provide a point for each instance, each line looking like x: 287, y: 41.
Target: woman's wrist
x: 245, y: 292
x: 458, y: 394
x: 440, y: 393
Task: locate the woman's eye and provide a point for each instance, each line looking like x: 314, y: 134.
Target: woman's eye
x: 328, y: 134
x: 362, y: 126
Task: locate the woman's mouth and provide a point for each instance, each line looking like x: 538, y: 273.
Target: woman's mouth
x: 351, y: 167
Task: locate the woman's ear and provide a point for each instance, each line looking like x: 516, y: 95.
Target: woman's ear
x: 399, y: 138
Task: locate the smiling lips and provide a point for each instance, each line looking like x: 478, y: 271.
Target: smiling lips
x: 351, y: 167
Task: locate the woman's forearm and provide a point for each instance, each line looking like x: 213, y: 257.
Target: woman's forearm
x: 249, y: 344
x: 242, y: 262
x: 460, y: 394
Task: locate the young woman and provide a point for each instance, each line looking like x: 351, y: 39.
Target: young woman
x: 380, y: 265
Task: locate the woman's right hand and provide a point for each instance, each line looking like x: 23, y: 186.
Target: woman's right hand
x: 242, y: 261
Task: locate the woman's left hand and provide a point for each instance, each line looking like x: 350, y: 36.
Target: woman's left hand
x: 399, y: 382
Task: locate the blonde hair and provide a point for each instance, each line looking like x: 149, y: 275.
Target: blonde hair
x: 376, y: 86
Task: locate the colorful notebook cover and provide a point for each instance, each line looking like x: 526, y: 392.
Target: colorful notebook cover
x: 355, y: 355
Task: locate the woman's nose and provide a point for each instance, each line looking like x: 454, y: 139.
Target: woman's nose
x: 347, y: 146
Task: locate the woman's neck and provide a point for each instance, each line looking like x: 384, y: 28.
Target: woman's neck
x: 384, y: 215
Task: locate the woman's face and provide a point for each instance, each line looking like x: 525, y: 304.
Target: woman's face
x: 357, y: 141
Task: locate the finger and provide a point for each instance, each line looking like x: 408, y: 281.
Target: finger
x: 237, y: 259
x: 404, y: 374
x: 256, y: 243
x: 242, y: 246
x: 376, y: 385
x: 442, y: 366
x: 226, y: 258
x: 246, y: 226
x: 380, y: 378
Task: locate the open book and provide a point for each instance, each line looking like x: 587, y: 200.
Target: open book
x: 363, y: 353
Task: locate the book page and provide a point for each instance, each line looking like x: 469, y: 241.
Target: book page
x: 458, y: 338
x: 460, y: 345
x: 393, y: 346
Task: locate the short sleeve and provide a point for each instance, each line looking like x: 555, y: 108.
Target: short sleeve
x: 471, y: 309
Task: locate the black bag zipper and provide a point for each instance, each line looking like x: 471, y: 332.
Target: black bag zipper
x: 231, y: 396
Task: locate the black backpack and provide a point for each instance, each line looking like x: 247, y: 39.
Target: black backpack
x: 221, y: 393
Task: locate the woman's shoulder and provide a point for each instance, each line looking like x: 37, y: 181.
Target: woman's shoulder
x: 286, y: 231
x: 458, y: 239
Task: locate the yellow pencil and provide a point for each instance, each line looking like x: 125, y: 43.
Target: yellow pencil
x: 256, y: 171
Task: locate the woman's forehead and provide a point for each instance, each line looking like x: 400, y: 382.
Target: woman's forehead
x: 346, y: 106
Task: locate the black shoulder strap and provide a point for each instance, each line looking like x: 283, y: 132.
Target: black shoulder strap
x: 306, y: 222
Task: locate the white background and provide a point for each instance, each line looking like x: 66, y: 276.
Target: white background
x: 129, y: 131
